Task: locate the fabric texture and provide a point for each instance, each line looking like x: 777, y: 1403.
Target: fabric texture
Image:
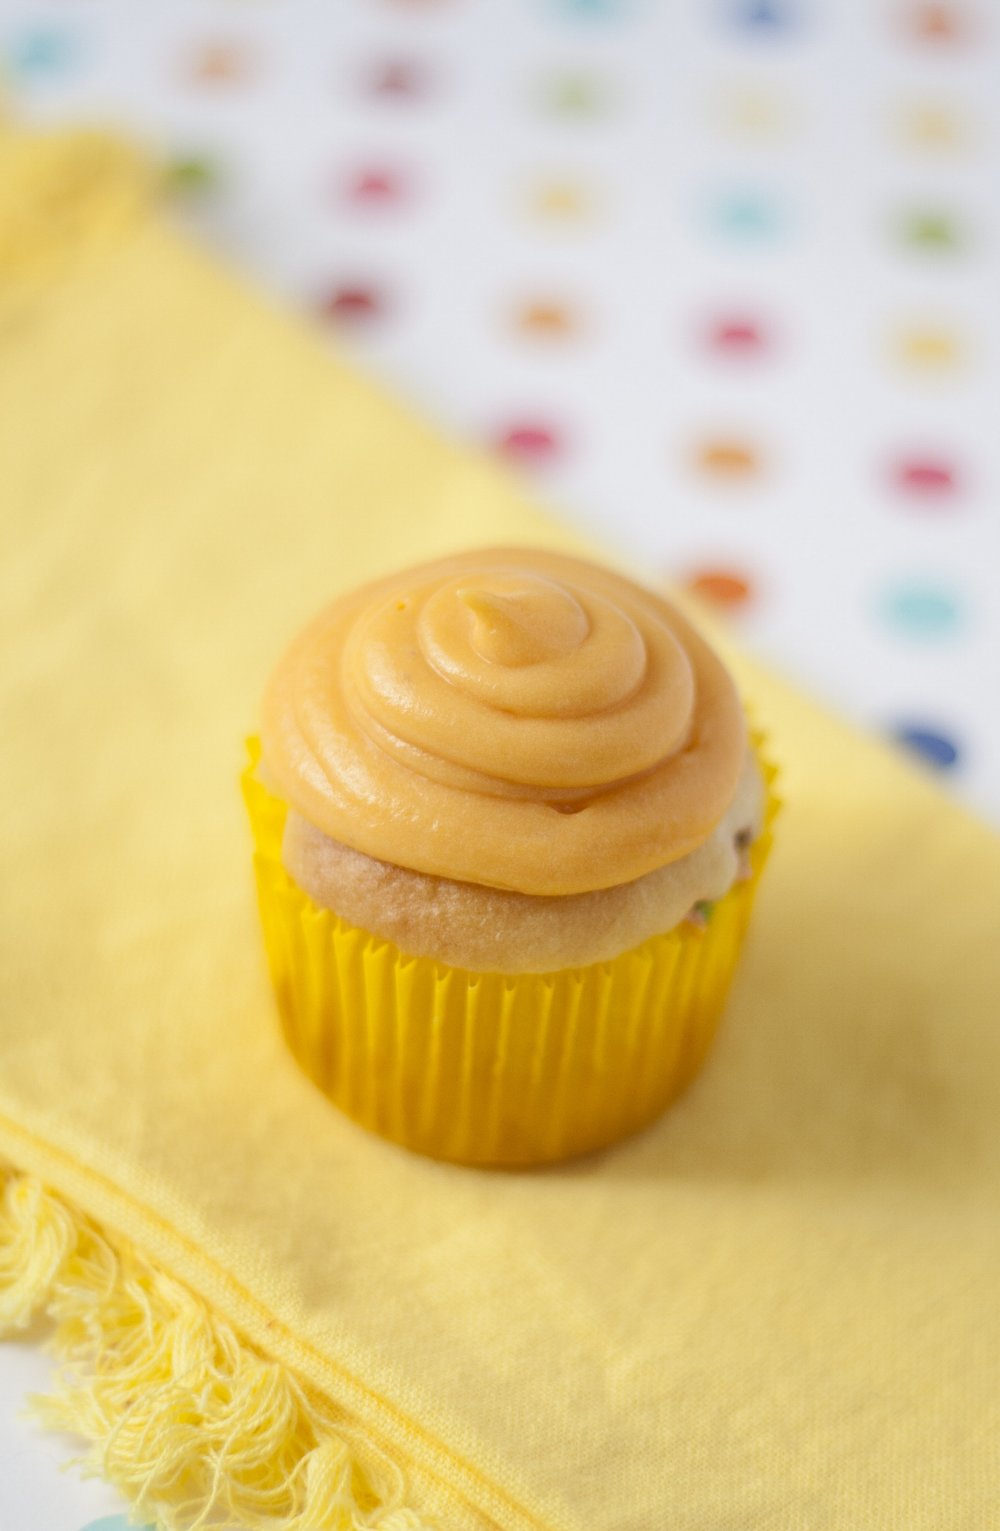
x: 773, y: 1311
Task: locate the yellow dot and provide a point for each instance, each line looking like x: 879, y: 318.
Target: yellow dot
x: 928, y: 125
x: 928, y: 348
x: 752, y: 112
x: 561, y: 200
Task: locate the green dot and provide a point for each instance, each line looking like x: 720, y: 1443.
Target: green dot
x: 574, y: 95
x: 192, y: 174
x: 930, y: 230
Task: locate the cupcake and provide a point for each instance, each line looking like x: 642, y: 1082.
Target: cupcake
x: 509, y: 822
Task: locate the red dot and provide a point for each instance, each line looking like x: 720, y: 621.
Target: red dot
x: 528, y: 442
x: 930, y: 478
x: 376, y: 188
x: 353, y: 303
x: 737, y: 337
x: 722, y: 587
x: 400, y: 78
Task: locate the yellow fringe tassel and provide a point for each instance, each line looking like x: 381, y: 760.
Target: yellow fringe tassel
x: 187, y: 1419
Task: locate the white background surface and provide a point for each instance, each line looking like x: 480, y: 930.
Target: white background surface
x: 729, y: 160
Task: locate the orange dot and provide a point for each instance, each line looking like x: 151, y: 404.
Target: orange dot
x: 550, y: 321
x: 728, y: 459
x: 722, y: 587
x: 220, y: 63
x: 937, y: 23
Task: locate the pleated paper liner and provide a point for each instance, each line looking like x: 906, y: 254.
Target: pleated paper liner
x: 492, y: 1068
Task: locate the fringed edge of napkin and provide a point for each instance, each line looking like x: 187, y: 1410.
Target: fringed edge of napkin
x: 186, y: 1418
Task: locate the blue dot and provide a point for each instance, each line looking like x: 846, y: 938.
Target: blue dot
x: 763, y: 16
x: 936, y: 748
x: 747, y: 215
x: 42, y: 51
x: 921, y: 611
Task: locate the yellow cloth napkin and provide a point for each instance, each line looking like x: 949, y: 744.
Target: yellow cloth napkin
x: 776, y: 1311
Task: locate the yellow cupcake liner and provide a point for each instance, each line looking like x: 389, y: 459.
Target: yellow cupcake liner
x: 492, y: 1068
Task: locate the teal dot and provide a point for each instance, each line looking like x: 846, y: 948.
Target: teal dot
x: 921, y: 611
x: 43, y: 50
x: 114, y: 1523
x: 747, y: 215
x: 596, y: 10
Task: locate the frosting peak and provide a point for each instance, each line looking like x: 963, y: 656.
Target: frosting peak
x: 437, y: 718
x: 519, y: 621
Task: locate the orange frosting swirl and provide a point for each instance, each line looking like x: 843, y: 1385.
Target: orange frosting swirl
x: 509, y: 717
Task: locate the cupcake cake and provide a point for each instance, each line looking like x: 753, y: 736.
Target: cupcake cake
x: 509, y: 822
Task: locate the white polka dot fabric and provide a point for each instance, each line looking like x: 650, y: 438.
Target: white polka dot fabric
x: 719, y: 276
